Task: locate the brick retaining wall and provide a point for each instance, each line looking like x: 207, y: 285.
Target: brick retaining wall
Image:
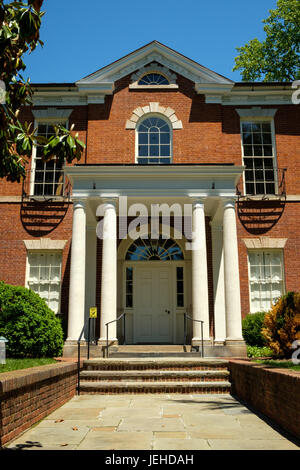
x: 273, y: 392
x: 29, y: 395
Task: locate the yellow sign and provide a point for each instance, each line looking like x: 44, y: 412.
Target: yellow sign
x: 93, y: 312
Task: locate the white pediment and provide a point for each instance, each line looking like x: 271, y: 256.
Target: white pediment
x: 102, y: 81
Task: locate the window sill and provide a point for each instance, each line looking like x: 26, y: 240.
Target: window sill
x: 171, y: 86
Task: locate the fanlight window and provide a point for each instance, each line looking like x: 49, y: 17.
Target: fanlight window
x: 154, y: 250
x: 153, y: 79
x: 154, y: 141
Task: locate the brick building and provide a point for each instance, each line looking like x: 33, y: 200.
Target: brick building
x: 162, y: 133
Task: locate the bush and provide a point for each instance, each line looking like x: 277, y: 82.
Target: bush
x: 256, y: 351
x: 32, y: 329
x: 282, y: 325
x: 251, y: 326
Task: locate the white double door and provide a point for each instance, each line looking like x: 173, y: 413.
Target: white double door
x: 153, y: 309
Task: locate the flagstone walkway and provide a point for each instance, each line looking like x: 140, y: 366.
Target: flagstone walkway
x: 154, y: 422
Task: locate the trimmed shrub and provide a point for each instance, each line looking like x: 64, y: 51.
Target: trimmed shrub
x: 282, y: 325
x: 32, y: 329
x: 251, y: 326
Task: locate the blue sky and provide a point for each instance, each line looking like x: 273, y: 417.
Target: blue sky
x: 81, y: 37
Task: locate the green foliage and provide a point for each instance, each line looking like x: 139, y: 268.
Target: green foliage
x: 251, y: 326
x: 32, y: 329
x: 282, y: 325
x: 257, y: 351
x: 17, y: 364
x: 277, y: 58
x: 20, y: 23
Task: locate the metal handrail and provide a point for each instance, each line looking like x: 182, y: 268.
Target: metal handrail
x: 88, y: 351
x: 187, y: 317
x: 108, y: 323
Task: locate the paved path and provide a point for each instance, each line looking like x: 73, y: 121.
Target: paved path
x: 154, y: 422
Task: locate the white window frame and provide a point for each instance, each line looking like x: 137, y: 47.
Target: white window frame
x: 27, y: 278
x: 143, y: 118
x: 265, y: 250
x: 48, y: 120
x: 260, y: 120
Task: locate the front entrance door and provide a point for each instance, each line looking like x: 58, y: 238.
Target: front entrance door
x: 153, y: 316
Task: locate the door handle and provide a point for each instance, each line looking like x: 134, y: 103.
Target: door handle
x: 167, y: 311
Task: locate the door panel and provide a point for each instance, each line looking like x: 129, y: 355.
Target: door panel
x: 153, y: 301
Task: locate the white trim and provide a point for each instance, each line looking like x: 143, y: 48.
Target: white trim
x: 261, y: 118
x: 44, y: 244
x: 35, y: 250
x: 256, y: 113
x: 153, y: 108
x: 265, y: 243
x: 261, y: 250
x: 143, y: 118
x: 47, y: 116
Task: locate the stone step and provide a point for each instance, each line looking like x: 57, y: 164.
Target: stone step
x: 155, y: 364
x: 154, y: 375
x: 112, y: 387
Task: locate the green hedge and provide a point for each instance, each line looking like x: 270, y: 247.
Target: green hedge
x: 32, y: 329
x: 251, y: 326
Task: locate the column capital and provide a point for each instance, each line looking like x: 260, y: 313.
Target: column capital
x: 79, y: 202
x: 198, y: 200
x: 228, y: 202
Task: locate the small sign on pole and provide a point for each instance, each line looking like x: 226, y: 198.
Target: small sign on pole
x: 93, y: 312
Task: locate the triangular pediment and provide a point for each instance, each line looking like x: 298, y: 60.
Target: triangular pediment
x: 175, y: 62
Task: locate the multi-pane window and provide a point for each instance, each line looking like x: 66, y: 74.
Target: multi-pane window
x: 44, y: 277
x: 154, y: 141
x: 154, y: 250
x: 266, y: 278
x: 179, y: 286
x: 153, y: 79
x: 47, y: 177
x: 259, y: 158
x: 129, y: 287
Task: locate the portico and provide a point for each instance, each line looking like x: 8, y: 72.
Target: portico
x: 166, y: 272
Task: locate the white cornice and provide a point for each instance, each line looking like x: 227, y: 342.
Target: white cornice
x: 153, y: 52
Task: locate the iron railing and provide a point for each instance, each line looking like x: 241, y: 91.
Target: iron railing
x: 87, y: 323
x: 186, y: 318
x: 263, y: 182
x: 124, y: 331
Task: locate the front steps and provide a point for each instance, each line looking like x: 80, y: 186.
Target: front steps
x: 154, y: 375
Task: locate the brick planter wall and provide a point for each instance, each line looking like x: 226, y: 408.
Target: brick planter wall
x: 29, y: 395
x: 273, y: 392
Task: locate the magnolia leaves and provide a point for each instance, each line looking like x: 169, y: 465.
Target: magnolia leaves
x: 20, y: 23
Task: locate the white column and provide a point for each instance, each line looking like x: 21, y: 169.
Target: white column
x: 199, y: 273
x: 218, y: 277
x: 77, y: 272
x: 91, y: 271
x: 231, y: 273
x: 108, y: 309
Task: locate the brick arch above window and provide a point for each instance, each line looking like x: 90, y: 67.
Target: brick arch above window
x: 153, y: 108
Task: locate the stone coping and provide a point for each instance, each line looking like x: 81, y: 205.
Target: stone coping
x: 276, y: 370
x: 20, y: 378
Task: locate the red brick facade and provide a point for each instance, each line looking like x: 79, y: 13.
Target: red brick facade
x: 210, y: 134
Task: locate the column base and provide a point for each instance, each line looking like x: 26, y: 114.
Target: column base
x: 237, y: 347
x: 70, y: 350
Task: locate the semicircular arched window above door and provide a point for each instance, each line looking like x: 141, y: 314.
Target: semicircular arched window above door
x: 150, y: 249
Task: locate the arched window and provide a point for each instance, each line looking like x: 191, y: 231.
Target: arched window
x: 153, y: 79
x: 154, y: 141
x: 154, y: 250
